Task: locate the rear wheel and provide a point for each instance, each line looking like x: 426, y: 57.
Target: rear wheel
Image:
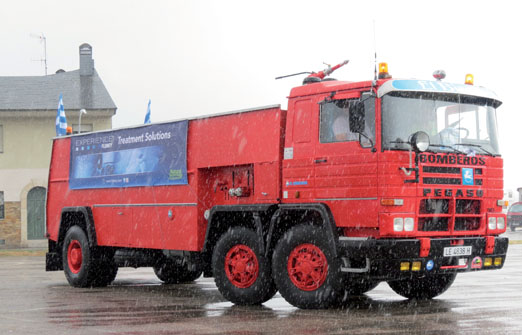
x: 423, y: 287
x: 305, y: 270
x: 83, y: 266
x: 107, y: 271
x: 241, y: 272
x: 172, y: 271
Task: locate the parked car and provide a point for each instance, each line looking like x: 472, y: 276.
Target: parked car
x: 514, y: 216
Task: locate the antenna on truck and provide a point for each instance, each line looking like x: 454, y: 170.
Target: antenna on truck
x: 314, y: 77
x: 375, y: 53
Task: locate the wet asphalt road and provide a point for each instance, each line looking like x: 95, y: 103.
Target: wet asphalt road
x: 33, y: 301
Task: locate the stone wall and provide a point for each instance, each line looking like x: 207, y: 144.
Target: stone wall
x: 10, y: 226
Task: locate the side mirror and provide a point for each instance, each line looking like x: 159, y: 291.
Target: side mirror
x: 357, y: 117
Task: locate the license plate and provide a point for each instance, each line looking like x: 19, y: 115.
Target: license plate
x: 457, y: 251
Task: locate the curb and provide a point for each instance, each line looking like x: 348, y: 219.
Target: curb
x: 22, y: 252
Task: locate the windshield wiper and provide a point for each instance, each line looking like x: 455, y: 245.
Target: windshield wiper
x: 476, y: 146
x: 449, y: 147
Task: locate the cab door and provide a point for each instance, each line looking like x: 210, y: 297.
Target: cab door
x: 299, y: 151
x: 345, y: 168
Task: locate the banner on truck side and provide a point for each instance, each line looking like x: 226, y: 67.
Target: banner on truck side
x: 143, y: 156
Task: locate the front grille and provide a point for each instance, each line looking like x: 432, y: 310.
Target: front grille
x: 443, y: 214
x: 434, y: 206
x: 433, y: 224
x: 441, y: 181
x: 467, y: 223
x: 465, y: 206
x: 440, y: 169
x: 454, y: 212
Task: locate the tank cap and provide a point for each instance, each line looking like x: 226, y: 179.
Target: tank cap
x: 311, y: 80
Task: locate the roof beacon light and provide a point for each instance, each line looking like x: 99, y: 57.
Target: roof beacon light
x: 439, y: 74
x: 469, y: 79
x: 383, y: 71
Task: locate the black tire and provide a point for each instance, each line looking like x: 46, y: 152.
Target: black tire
x: 107, y: 271
x: 423, y: 287
x: 83, y: 266
x: 301, y: 249
x: 172, y: 272
x: 241, y: 272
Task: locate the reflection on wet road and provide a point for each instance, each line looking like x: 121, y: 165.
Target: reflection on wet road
x: 36, y: 302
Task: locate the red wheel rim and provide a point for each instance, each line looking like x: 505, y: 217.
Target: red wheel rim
x: 307, y: 267
x: 74, y: 256
x: 241, y: 266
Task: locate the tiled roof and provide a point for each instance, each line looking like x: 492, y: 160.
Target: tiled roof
x: 42, y: 92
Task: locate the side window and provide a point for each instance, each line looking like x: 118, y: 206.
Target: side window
x: 2, y: 208
x: 1, y: 138
x: 335, y: 121
x: 369, y: 120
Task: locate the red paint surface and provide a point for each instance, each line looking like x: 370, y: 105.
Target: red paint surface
x: 245, y: 150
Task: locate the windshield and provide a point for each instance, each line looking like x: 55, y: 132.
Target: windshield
x: 455, y: 123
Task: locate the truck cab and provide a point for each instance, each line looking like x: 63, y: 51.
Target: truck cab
x: 420, y: 158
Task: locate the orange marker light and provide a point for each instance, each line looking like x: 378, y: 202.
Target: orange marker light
x: 383, y: 68
x: 383, y: 71
x: 469, y: 79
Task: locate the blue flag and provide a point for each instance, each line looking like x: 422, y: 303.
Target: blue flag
x: 61, y: 121
x: 147, y: 116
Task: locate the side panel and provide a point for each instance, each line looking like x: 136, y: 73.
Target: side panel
x: 235, y: 139
x: 58, y: 188
x: 171, y: 217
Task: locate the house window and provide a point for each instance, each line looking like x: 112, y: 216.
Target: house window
x: 85, y: 128
x: 1, y: 138
x: 2, y: 207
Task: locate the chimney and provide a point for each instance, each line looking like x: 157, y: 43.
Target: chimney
x: 86, y: 61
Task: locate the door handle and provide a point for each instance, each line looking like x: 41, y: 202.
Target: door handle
x: 320, y: 160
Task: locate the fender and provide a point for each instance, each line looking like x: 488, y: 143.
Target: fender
x: 254, y: 210
x: 87, y: 223
x: 327, y: 222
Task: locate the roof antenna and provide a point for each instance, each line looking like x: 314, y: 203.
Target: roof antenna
x: 375, y: 53
x: 374, y: 81
x: 42, y: 38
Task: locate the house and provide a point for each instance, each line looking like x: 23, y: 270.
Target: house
x: 27, y: 125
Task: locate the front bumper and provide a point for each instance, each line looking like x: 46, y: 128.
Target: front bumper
x: 386, y: 259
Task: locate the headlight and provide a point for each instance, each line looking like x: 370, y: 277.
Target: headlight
x: 420, y: 141
x: 398, y: 224
x: 492, y: 223
x: 408, y: 224
x: 501, y: 224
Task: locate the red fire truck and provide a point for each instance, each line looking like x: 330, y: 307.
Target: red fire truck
x: 356, y: 183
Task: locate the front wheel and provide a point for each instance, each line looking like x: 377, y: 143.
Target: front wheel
x: 241, y: 271
x: 305, y: 270
x: 423, y: 287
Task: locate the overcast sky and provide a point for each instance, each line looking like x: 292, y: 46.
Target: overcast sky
x: 202, y: 57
